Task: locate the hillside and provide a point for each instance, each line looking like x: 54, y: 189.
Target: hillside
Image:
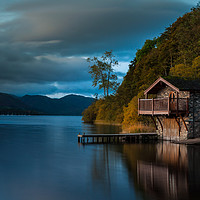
x: 10, y: 104
x: 36, y: 104
x: 176, y: 52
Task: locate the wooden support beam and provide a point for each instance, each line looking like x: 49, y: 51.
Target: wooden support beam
x: 154, y: 122
x: 152, y: 106
x: 179, y: 127
x: 79, y: 138
x: 160, y: 124
x: 138, y: 106
x: 177, y: 102
x: 184, y: 123
x: 168, y: 105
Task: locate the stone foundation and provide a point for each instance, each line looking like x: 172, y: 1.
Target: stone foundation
x: 171, y: 129
x: 192, y: 121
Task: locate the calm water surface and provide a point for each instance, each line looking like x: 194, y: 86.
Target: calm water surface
x: 40, y: 159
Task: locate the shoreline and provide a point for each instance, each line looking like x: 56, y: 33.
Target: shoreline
x: 102, y: 122
x: 193, y: 141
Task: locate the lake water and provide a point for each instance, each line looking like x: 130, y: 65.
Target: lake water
x: 40, y: 159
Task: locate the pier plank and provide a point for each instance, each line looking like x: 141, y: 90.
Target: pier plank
x: 116, y: 138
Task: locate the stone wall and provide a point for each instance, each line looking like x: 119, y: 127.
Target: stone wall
x: 170, y: 126
x: 164, y: 93
x: 194, y: 114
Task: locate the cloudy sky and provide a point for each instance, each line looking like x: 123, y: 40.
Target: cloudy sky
x: 44, y: 43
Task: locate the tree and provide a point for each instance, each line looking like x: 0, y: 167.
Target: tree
x: 148, y: 46
x: 196, y: 67
x: 176, y: 52
x: 191, y: 72
x: 102, y: 72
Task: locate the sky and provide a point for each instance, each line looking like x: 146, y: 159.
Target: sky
x: 44, y: 43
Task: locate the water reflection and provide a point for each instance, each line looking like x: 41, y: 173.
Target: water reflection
x: 155, y: 171
x: 172, y: 154
x: 162, y: 182
x: 170, y: 172
x: 41, y: 159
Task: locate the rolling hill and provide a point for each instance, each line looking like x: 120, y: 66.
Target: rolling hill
x: 37, y: 104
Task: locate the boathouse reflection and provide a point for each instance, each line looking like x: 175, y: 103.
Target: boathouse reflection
x: 173, y: 155
x: 155, y: 171
x: 161, y: 181
x: 173, y: 175
x: 165, y: 170
x: 167, y: 178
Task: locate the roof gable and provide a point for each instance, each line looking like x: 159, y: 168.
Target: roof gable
x: 176, y: 83
x: 158, y: 85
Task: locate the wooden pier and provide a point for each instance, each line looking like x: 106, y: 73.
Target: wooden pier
x: 116, y: 138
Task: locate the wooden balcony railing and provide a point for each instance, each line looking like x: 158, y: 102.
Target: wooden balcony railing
x: 163, y: 106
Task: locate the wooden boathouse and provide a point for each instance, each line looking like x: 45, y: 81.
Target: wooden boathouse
x: 175, y: 108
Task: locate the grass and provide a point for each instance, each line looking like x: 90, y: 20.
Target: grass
x: 138, y: 128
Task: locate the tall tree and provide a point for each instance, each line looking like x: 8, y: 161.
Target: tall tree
x: 102, y: 72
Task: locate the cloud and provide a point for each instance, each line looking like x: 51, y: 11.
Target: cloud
x: 54, y: 89
x: 22, y: 67
x: 45, y: 42
x: 88, y: 26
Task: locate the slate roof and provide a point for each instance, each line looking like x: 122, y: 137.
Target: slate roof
x: 184, y: 84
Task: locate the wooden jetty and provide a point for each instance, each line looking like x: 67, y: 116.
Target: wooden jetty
x: 116, y: 138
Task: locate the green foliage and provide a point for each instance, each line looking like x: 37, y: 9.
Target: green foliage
x: 196, y: 68
x: 90, y: 113
x: 107, y: 109
x: 148, y: 46
x: 102, y: 72
x: 190, y: 72
x: 130, y: 112
x: 179, y: 70
x: 175, y: 52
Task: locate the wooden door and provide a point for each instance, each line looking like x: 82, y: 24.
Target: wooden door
x: 172, y: 101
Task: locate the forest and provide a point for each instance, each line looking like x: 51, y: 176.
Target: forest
x: 176, y: 52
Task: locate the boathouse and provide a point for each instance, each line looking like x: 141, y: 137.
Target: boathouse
x: 175, y: 108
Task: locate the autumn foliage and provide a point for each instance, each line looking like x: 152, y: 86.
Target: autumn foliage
x: 176, y: 53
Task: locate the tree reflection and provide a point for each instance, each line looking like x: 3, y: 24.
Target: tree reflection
x: 106, y: 161
x: 166, y: 170
x: 162, y: 182
x: 155, y: 171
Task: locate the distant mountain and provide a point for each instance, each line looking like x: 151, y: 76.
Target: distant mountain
x: 43, y: 104
x: 37, y: 104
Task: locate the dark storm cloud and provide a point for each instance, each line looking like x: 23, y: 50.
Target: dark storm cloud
x: 56, y: 89
x: 100, y: 25
x: 22, y: 67
x: 22, y: 73
x: 42, y: 42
